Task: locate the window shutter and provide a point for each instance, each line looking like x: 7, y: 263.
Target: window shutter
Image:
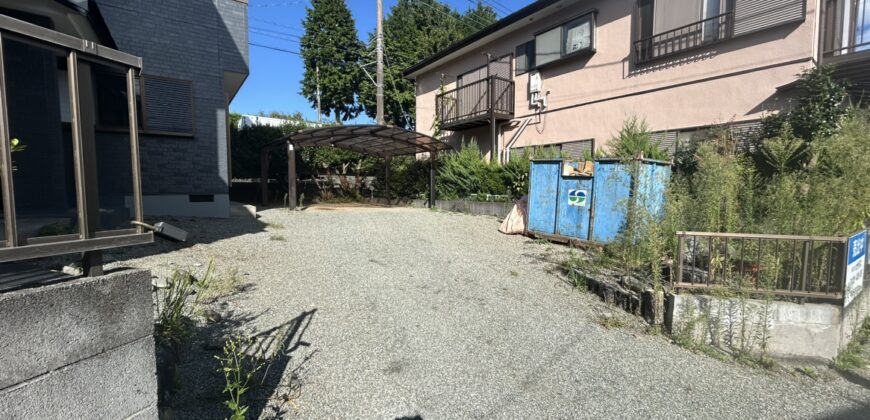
x: 745, y: 133
x: 577, y: 149
x: 168, y: 105
x: 667, y: 141
x: 754, y: 15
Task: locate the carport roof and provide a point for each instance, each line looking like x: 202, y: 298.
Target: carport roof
x: 374, y: 140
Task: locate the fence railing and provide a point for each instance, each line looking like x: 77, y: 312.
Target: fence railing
x: 685, y: 38
x: 784, y: 265
x: 476, y: 100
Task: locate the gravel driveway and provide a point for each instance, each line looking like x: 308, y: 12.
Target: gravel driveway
x: 409, y: 313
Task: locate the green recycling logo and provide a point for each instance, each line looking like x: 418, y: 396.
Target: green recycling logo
x: 577, y: 198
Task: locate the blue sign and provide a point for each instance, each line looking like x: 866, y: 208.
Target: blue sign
x: 855, y: 260
x: 857, y: 247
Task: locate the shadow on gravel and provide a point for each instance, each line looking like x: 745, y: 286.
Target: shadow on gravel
x: 862, y: 412
x: 195, y: 388
x: 857, y: 380
x: 277, y: 389
x: 205, y: 230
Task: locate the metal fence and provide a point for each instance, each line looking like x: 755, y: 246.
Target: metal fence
x: 685, y: 38
x: 784, y: 265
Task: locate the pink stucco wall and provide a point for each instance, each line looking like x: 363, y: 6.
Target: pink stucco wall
x: 590, y: 97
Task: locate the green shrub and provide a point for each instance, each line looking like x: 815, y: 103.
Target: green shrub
x: 633, y: 140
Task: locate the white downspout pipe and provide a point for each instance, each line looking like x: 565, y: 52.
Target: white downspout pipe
x: 507, y: 149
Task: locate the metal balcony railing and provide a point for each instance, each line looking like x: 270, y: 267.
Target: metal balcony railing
x: 480, y: 100
x: 685, y: 38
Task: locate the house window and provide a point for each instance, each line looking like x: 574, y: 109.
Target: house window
x: 574, y: 37
x: 547, y: 46
x: 525, y: 55
x: 660, y: 16
x: 577, y: 36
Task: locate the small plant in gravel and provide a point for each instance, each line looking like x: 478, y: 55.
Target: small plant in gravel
x: 279, y: 238
x: 808, y: 372
x: 221, y: 285
x: 851, y: 357
x: 174, y: 309
x: 238, y: 369
x: 275, y: 225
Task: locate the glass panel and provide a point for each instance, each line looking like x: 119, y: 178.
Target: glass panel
x: 862, y: 26
x: 43, y: 172
x: 672, y: 14
x: 645, y: 13
x: 547, y: 46
x: 521, y: 59
x: 114, y: 162
x: 711, y: 27
x: 578, y: 35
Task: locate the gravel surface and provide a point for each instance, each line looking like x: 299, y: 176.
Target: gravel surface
x: 408, y: 312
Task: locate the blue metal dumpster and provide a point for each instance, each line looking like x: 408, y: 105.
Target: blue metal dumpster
x: 593, y: 207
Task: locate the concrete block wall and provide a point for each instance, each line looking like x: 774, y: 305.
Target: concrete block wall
x: 810, y: 331
x: 80, y: 349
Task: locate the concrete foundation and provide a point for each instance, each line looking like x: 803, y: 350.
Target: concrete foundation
x: 790, y: 330
x: 82, y: 348
x: 480, y: 208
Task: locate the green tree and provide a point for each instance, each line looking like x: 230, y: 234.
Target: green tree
x: 331, y: 51
x: 414, y: 30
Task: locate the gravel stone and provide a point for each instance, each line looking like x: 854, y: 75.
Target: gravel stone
x: 412, y: 312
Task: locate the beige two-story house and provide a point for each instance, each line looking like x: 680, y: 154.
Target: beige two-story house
x: 569, y: 72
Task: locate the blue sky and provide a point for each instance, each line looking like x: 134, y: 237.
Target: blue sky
x: 273, y: 84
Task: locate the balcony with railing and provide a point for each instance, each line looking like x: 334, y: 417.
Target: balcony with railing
x: 476, y: 104
x: 846, y: 30
x: 685, y: 38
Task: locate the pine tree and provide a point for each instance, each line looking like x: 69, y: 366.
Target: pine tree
x: 330, y: 45
x: 414, y: 30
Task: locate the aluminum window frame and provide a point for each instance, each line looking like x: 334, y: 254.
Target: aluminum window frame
x: 592, y: 14
x: 89, y: 238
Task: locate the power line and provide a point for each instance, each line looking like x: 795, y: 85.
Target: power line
x: 273, y: 23
x: 278, y: 4
x: 449, y: 15
x: 276, y: 37
x: 495, y: 3
x: 288, y: 37
x: 495, y: 9
x: 275, y: 32
x: 268, y: 47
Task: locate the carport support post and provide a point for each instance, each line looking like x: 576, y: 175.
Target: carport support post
x: 291, y: 176
x: 264, y: 176
x: 387, y: 179
x: 433, y: 160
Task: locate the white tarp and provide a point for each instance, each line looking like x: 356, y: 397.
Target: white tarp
x: 516, y: 221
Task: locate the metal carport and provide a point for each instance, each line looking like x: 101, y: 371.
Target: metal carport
x: 380, y: 141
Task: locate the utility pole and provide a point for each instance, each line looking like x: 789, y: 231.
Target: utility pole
x: 317, y: 73
x: 380, y: 77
